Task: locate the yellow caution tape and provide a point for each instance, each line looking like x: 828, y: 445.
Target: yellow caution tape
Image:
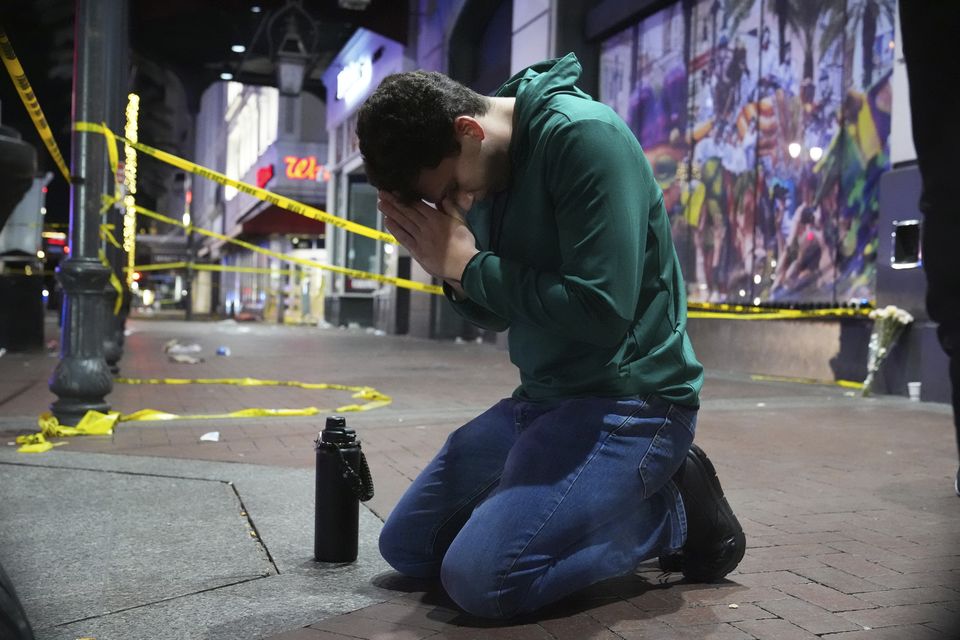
x: 162, y: 266
x: 200, y: 266
x: 743, y: 312
x: 235, y: 269
x: 93, y: 423
x: 152, y: 415
x: 374, y: 399
x: 106, y: 232
x: 118, y: 287
x: 261, y: 194
x: 770, y: 315
x: 114, y: 281
x: 102, y: 424
x: 368, y: 393
x: 22, y: 272
x: 30, y: 101
x: 112, y: 156
x: 35, y: 443
x: 353, y: 273
x: 846, y: 384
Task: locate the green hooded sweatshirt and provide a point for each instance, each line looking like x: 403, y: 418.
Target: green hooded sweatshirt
x: 576, y: 257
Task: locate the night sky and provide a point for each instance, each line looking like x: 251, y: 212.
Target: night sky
x: 43, y: 41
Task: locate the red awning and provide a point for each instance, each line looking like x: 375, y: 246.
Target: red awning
x: 273, y: 219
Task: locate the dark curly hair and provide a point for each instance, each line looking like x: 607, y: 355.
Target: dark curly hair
x: 406, y: 126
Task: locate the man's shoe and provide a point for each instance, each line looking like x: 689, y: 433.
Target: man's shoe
x: 715, y: 541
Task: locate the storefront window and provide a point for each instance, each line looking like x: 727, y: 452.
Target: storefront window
x: 338, y: 143
x: 362, y: 252
x: 353, y: 144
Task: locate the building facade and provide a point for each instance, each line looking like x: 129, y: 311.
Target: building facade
x: 358, y: 68
x: 255, y: 135
x: 477, y: 42
x: 768, y: 145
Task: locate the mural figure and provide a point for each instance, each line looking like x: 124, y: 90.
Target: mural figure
x: 767, y: 123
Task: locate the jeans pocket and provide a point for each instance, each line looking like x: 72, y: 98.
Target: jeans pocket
x: 666, y: 452
x: 687, y: 416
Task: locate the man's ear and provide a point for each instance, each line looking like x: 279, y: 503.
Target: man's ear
x: 468, y: 126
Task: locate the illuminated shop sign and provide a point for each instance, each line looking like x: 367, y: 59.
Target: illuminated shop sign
x: 354, y: 77
x: 264, y: 175
x: 305, y: 168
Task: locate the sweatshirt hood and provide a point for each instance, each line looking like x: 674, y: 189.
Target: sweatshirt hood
x: 534, y: 87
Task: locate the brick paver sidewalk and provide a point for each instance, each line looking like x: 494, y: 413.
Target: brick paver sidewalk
x: 851, y: 520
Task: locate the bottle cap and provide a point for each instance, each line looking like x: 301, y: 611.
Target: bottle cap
x: 336, y: 431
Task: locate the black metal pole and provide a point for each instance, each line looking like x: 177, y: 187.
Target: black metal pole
x: 116, y: 52
x: 191, y: 258
x: 81, y: 379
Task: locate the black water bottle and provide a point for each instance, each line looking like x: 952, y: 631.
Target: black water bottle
x: 343, y: 480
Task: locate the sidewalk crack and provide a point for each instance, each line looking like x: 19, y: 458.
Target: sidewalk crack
x: 16, y: 393
x: 253, y: 528
x: 162, y: 600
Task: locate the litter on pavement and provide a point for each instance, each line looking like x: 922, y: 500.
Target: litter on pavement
x: 175, y: 346
x: 182, y: 358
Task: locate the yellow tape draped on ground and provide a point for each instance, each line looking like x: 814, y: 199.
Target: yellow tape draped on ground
x: 261, y: 194
x: 374, y: 399
x: 846, y: 384
x: 95, y: 423
x: 30, y: 101
x: 353, y: 273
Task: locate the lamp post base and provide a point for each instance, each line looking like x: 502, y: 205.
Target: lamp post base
x: 81, y: 380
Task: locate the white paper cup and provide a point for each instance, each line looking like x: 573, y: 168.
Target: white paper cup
x: 913, y: 390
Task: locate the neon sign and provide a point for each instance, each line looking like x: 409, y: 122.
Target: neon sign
x: 305, y: 168
x: 354, y: 77
x: 264, y: 175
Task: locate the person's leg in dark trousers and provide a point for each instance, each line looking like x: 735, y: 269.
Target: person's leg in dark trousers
x: 928, y: 29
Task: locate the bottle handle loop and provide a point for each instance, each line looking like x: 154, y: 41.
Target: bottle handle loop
x: 360, y: 480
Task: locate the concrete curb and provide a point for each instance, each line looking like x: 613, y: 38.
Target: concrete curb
x: 253, y: 601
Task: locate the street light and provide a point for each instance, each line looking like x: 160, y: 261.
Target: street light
x: 293, y: 54
x: 291, y: 61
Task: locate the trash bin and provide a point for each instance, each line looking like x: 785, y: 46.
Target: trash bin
x: 21, y: 315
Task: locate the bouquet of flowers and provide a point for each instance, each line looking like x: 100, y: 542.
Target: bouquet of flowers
x: 888, y: 324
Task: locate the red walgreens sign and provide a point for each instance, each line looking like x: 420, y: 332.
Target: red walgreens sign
x: 264, y: 175
x: 305, y: 168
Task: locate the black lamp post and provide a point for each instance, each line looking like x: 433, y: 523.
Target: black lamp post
x: 117, y: 54
x: 81, y: 379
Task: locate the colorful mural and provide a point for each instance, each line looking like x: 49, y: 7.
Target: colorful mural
x: 767, y: 125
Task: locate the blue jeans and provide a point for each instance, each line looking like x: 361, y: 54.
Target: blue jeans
x: 530, y: 502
